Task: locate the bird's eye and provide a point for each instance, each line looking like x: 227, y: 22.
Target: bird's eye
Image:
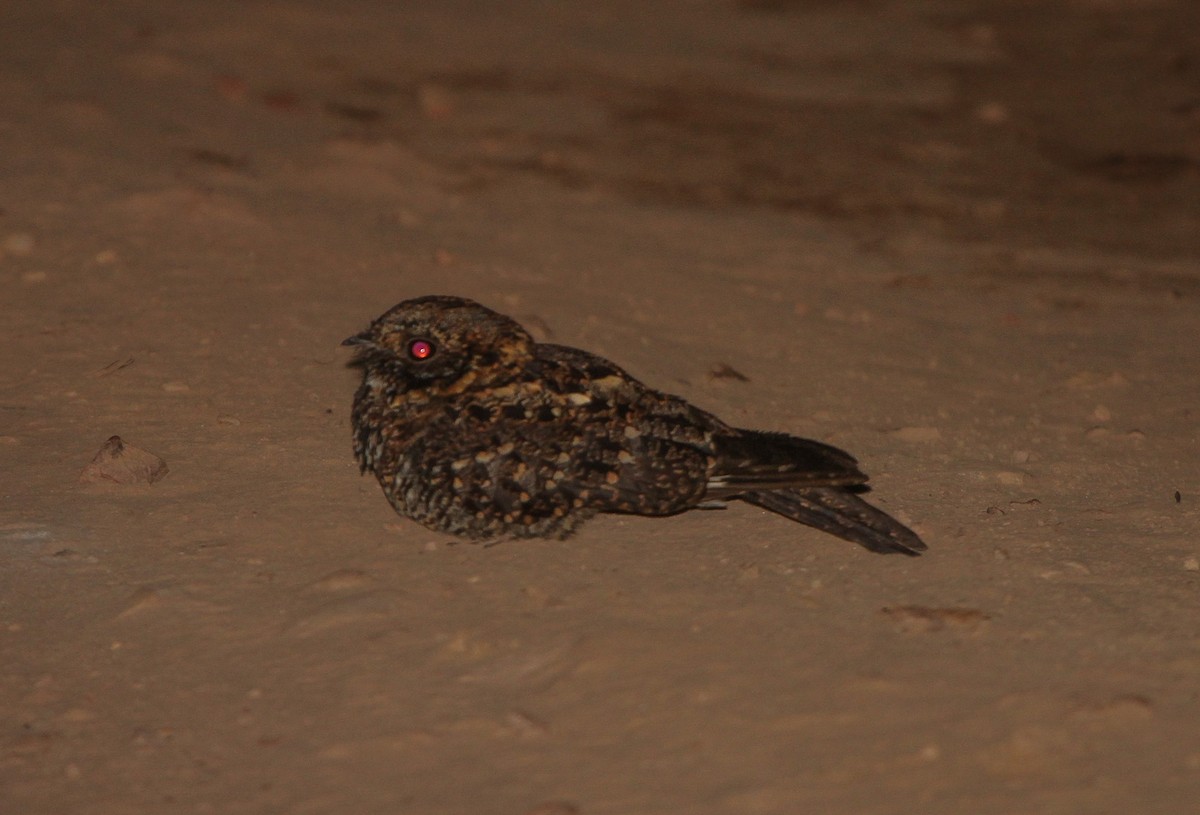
x: 420, y: 349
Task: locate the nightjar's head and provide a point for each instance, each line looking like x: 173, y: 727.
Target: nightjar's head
x: 443, y: 345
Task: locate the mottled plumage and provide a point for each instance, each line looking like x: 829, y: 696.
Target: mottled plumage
x: 473, y: 428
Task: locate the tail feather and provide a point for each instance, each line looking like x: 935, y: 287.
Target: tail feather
x: 842, y: 513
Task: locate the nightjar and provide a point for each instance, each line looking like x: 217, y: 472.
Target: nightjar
x: 473, y: 428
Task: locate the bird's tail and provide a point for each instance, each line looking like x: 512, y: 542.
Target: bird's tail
x: 842, y: 513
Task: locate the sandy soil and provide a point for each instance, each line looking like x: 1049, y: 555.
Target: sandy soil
x: 960, y: 239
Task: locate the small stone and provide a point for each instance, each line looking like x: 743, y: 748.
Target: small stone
x: 142, y: 600
x: 929, y: 753
x: 1125, y: 709
x: 123, y: 463
x: 922, y: 619
x: 917, y: 435
x: 554, y: 808
x: 526, y: 725
x: 231, y: 87
x: 435, y: 101
x: 176, y: 387
x: 723, y: 371
x: 1102, y: 414
x: 1191, y: 564
x: 992, y: 113
x: 981, y: 34
x: 839, y: 315
x: 77, y: 715
x: 341, y: 580
x: 34, y: 277
x: 19, y: 243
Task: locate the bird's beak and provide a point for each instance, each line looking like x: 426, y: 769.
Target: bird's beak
x: 358, y: 339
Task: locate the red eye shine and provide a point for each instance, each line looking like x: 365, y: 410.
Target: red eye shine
x: 420, y: 349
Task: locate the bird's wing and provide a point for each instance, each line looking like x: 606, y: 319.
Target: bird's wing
x: 749, y: 460
x: 593, y: 465
x: 633, y: 449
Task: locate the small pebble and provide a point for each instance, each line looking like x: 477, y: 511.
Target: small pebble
x: 232, y: 87
x: 860, y: 316
x: 1191, y: 564
x: 435, y: 101
x: 554, y: 808
x: 176, y: 387
x: 341, y: 580
x: 123, y: 463
x: 142, y: 600
x: 930, y: 752
x: 981, y: 34
x: 992, y: 113
x: 18, y: 243
x: 922, y: 619
x: 724, y: 371
x: 1087, y: 380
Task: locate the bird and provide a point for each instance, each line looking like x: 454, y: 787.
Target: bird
x: 474, y: 429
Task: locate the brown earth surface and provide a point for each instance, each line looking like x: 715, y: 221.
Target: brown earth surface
x: 960, y: 239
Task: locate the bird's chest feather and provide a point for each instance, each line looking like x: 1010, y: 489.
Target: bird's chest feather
x: 473, y: 436
x: 503, y: 458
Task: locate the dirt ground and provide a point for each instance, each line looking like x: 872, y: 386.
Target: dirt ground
x: 959, y: 238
